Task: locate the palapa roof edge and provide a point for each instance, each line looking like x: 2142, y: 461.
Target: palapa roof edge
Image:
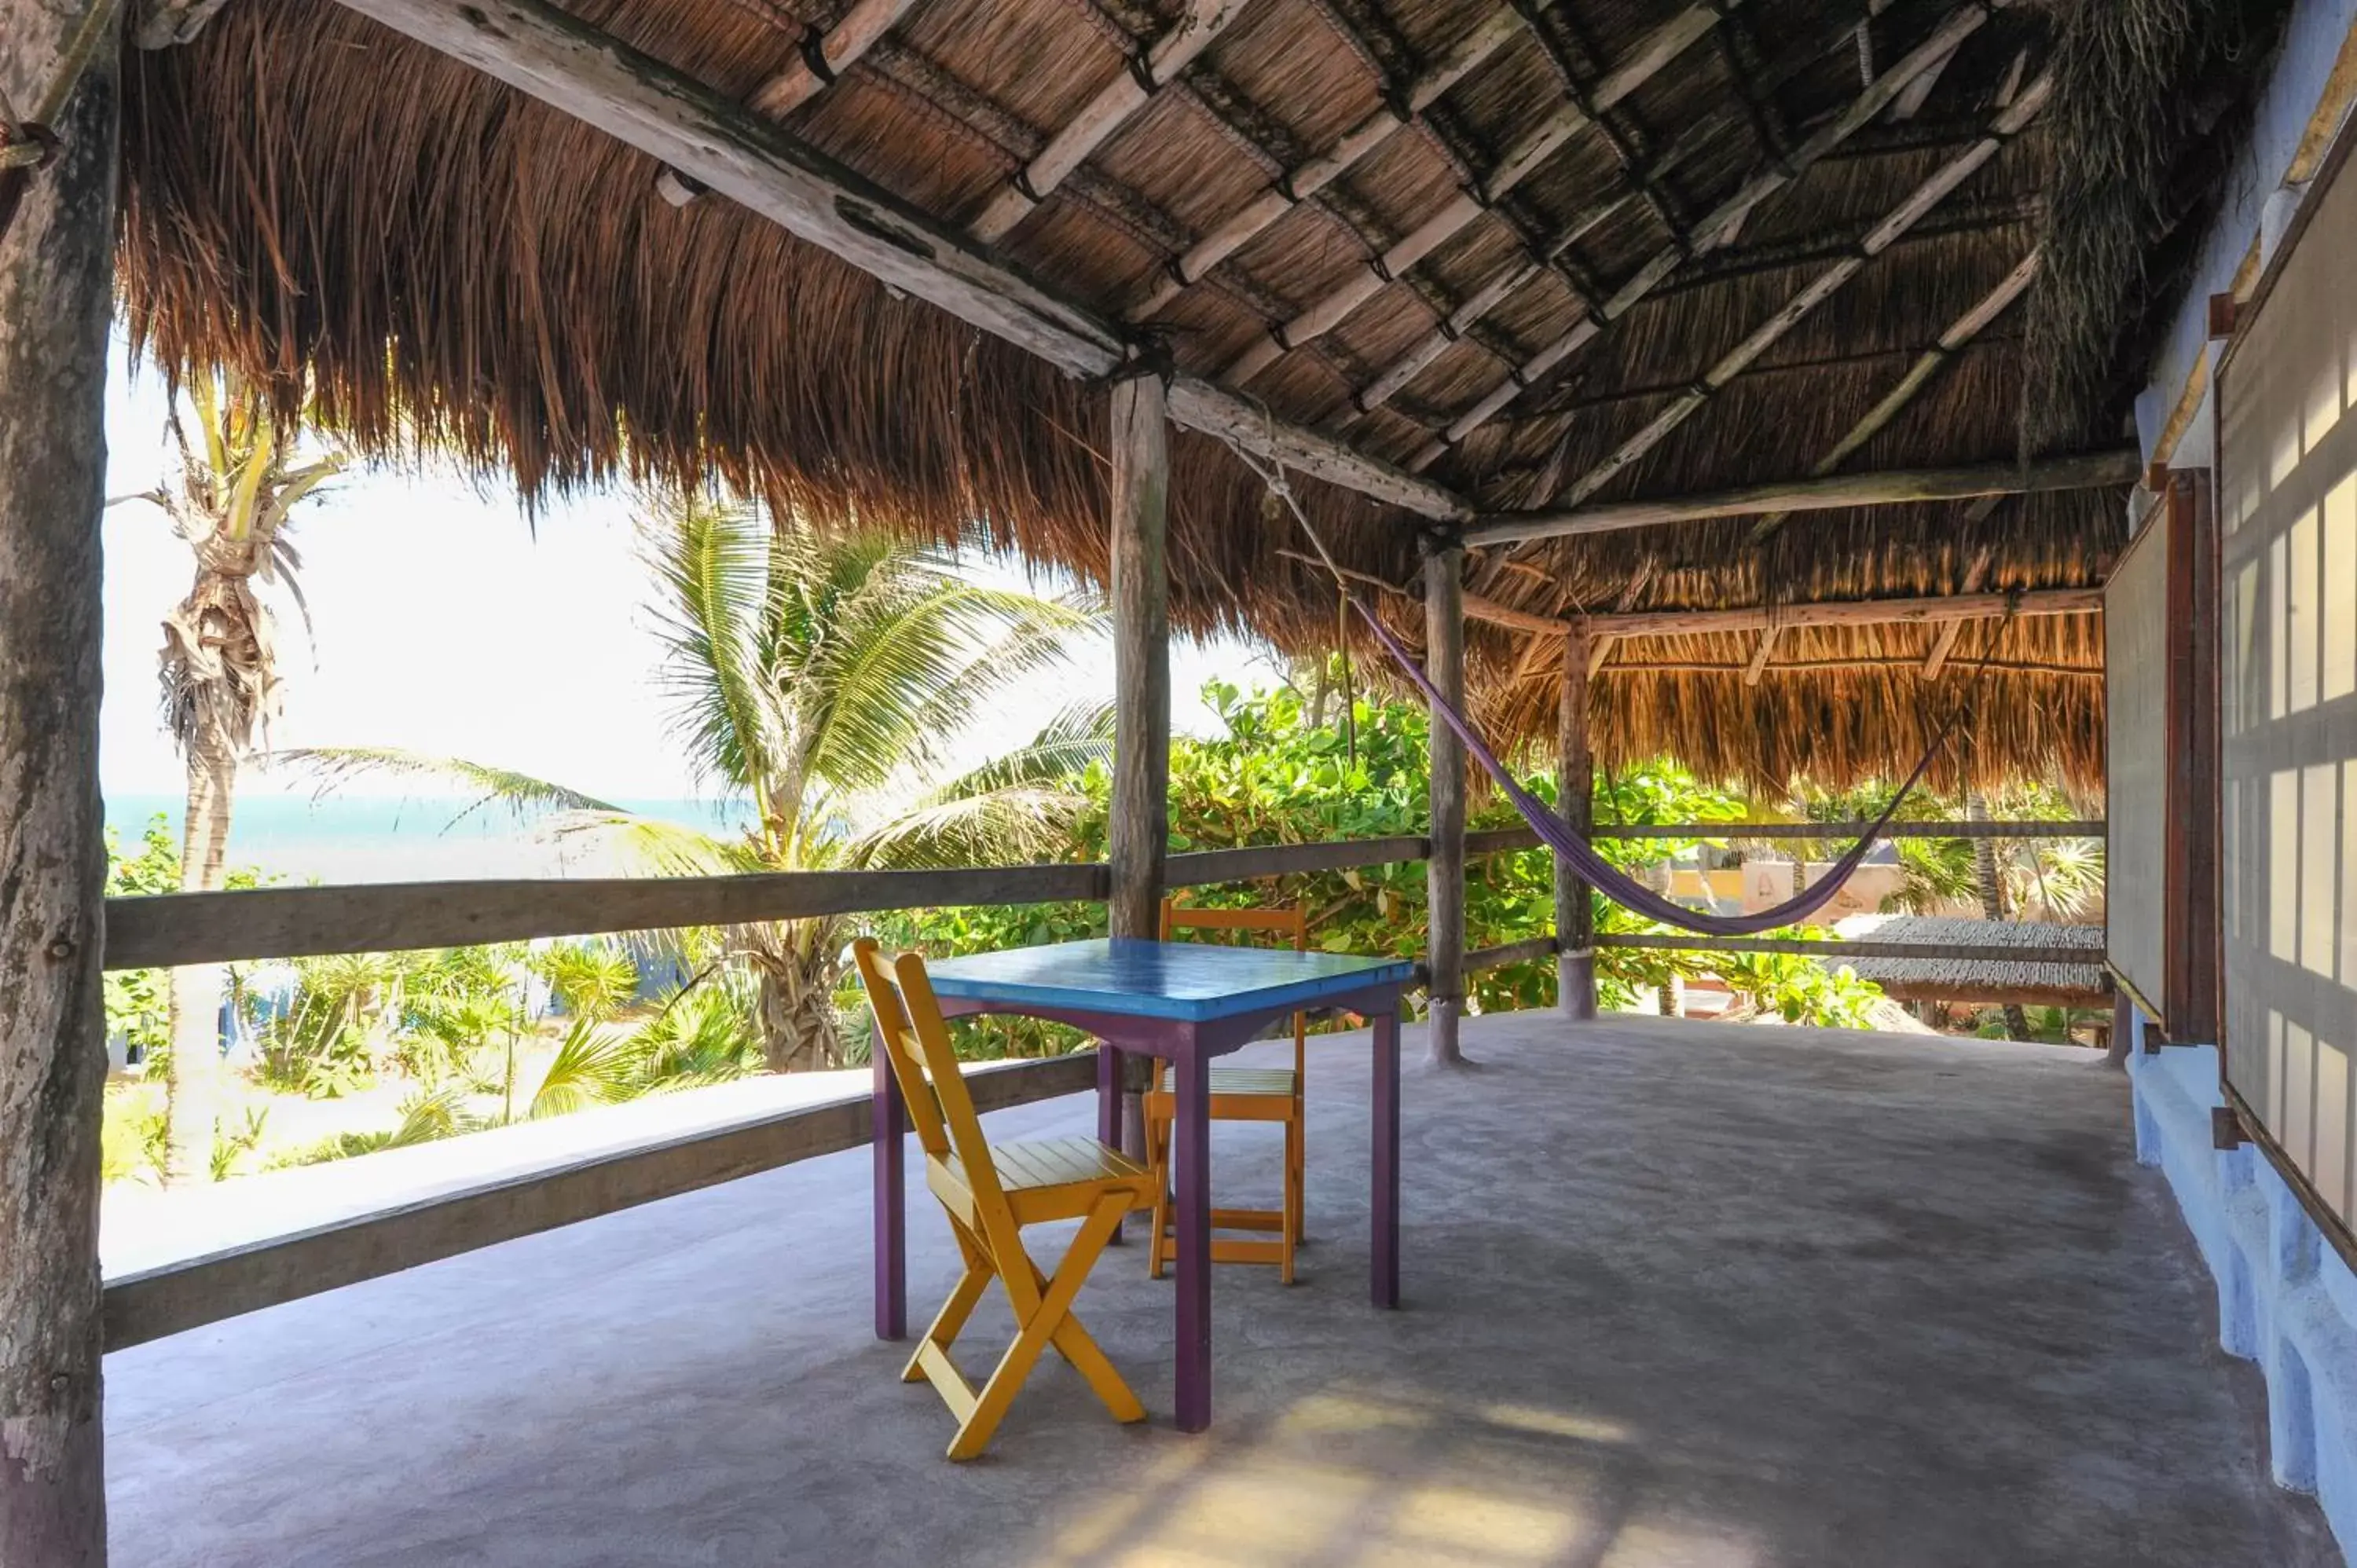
x: 440, y: 261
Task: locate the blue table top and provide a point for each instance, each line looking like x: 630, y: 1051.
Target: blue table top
x: 1191, y: 981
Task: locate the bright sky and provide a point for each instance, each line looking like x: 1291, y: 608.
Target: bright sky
x: 446, y: 622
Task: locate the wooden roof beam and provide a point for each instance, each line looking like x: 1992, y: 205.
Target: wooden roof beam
x: 1114, y: 106
x: 1663, y: 45
x: 826, y: 55
x: 555, y: 58
x: 1721, y: 222
x: 1815, y: 292
x: 1929, y: 611
x: 2089, y: 470
x: 1305, y: 181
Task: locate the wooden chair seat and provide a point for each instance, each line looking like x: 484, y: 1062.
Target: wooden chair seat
x: 1046, y: 1180
x: 990, y: 1195
x: 1241, y: 1082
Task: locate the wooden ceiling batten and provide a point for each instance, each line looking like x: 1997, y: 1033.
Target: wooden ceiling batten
x: 1306, y: 180
x: 1772, y: 177
x: 1813, y: 293
x: 1527, y: 153
x: 1114, y: 106
x: 1556, y: 252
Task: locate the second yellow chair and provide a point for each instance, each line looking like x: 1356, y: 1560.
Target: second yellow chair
x: 1238, y: 1094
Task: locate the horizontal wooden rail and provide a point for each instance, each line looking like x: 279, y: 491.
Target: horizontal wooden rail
x: 1497, y: 840
x: 1510, y: 952
x: 301, y: 922
x: 1762, y: 832
x: 152, y: 1302
x: 1960, y: 953
x: 1201, y: 868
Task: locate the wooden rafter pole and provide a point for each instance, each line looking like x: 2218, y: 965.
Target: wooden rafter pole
x: 1944, y: 642
x: 1511, y: 279
x: 2083, y: 471
x: 1444, y: 643
x: 560, y: 60
x: 1714, y: 229
x: 1114, y: 104
x: 56, y: 285
x: 1662, y: 46
x: 1920, y: 375
x: 1601, y: 648
x: 1926, y: 196
x: 1575, y: 915
x: 826, y: 53
x: 1303, y: 182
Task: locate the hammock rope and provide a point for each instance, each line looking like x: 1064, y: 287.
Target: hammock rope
x: 1554, y: 832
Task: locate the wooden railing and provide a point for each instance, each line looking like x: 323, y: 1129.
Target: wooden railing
x: 304, y: 922
x: 292, y: 922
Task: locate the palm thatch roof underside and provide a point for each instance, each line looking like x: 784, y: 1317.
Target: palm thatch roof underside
x: 316, y: 199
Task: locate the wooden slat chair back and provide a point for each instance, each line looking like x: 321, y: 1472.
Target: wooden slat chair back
x: 990, y: 1196
x: 1238, y: 1094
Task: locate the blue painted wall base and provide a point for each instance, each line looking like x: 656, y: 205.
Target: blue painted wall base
x: 2285, y: 1298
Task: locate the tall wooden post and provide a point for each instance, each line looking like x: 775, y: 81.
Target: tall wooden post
x: 56, y: 282
x: 1138, y: 833
x: 1444, y: 643
x: 1575, y: 915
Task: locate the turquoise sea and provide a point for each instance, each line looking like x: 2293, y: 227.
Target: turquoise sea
x: 402, y: 838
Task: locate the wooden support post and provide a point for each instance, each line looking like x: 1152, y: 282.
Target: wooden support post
x: 1137, y: 836
x: 1443, y: 641
x: 1575, y: 915
x: 56, y: 284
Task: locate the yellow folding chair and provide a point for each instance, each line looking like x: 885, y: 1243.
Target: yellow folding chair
x: 990, y: 1196
x: 1238, y: 1094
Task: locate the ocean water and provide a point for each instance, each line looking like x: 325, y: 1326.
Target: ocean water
x: 294, y: 837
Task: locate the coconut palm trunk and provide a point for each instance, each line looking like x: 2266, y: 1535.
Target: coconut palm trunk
x: 1991, y: 888
x: 197, y: 989
x: 219, y: 673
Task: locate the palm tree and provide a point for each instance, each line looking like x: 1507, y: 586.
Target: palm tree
x: 240, y: 481
x: 821, y: 676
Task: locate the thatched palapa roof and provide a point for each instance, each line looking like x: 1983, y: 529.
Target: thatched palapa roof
x: 1499, y: 295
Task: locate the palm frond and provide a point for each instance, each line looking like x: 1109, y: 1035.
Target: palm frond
x: 713, y: 560
x: 332, y: 766
x: 597, y: 1065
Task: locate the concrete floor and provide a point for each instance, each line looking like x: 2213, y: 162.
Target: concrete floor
x: 1678, y: 1295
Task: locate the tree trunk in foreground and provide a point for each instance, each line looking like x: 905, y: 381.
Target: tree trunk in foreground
x: 197, y: 989
x: 56, y: 280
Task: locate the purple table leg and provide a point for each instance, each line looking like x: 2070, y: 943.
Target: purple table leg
x: 1109, y: 1111
x: 890, y: 1122
x: 1191, y: 1168
x: 1383, y: 1281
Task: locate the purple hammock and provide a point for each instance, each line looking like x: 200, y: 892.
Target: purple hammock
x: 1609, y: 879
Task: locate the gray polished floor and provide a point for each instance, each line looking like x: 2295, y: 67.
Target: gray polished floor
x: 1678, y: 1295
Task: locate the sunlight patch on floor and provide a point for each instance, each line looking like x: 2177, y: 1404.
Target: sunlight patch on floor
x: 1348, y: 1481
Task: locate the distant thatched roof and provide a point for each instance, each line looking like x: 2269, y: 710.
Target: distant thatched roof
x: 309, y: 196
